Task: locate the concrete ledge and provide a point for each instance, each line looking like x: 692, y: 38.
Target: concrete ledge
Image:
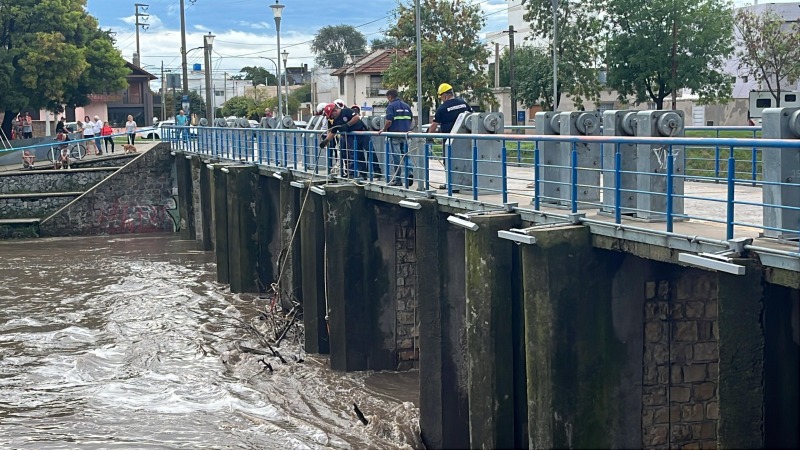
x: 41, y: 195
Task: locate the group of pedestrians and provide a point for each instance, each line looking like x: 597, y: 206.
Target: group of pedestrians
x: 22, y: 126
x: 399, y: 117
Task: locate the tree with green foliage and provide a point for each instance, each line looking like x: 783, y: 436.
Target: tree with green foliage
x: 533, y: 75
x: 769, y: 49
x: 53, y: 53
x: 259, y: 75
x: 382, y: 43
x: 580, y: 41
x: 333, y: 43
x: 240, y: 106
x: 658, y: 48
x: 197, y: 105
x: 302, y: 94
x: 451, y: 51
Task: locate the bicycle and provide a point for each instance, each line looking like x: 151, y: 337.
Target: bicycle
x: 76, y: 150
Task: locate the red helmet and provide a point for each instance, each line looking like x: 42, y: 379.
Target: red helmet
x: 328, y: 110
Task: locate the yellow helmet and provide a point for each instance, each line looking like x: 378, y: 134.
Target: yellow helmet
x: 444, y: 87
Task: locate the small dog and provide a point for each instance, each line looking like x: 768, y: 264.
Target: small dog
x: 129, y: 148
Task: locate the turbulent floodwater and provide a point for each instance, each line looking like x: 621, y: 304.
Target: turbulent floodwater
x: 129, y: 343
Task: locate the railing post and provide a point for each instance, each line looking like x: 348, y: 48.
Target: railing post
x: 369, y: 160
x: 449, y: 166
x: 536, y: 171
x: 574, y: 177
x: 504, y: 171
x: 474, y: 169
x: 386, y: 146
x: 716, y: 161
x: 670, y: 182
x: 731, y: 195
x: 618, y: 184
x: 426, y: 163
x: 285, y: 151
x: 294, y: 144
x: 405, y: 168
x: 755, y: 160
x: 519, y: 150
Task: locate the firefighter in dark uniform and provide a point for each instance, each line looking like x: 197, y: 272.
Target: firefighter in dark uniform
x: 398, y: 119
x: 447, y: 113
x: 345, y: 120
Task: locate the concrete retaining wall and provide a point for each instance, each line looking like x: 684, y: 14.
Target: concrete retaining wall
x: 139, y: 198
x: 573, y: 342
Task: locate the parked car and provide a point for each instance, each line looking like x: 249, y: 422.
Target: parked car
x: 157, y: 131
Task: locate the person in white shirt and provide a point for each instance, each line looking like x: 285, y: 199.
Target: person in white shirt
x: 97, y: 127
x: 88, y: 134
x: 130, y: 129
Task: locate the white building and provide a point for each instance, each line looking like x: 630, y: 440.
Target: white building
x: 744, y: 84
x: 361, y: 82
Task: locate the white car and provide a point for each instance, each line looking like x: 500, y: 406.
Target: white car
x: 157, y: 131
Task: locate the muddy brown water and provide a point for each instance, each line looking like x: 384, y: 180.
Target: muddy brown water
x: 128, y: 342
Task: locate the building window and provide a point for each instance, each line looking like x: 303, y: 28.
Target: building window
x: 219, y: 93
x: 605, y: 106
x: 341, y: 85
x: 375, y: 86
x: 790, y: 98
x: 763, y: 103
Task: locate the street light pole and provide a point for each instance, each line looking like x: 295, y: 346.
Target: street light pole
x: 555, y: 54
x: 183, y: 50
x: 144, y: 16
x: 419, y: 65
x: 208, y: 40
x: 285, y: 55
x: 277, y: 11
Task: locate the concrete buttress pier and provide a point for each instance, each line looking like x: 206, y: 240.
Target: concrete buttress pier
x: 490, y: 334
x: 361, y: 311
x: 444, y: 399
x: 574, y: 360
x: 312, y: 265
x: 183, y: 173
x: 219, y: 198
x: 206, y: 205
x: 242, y: 228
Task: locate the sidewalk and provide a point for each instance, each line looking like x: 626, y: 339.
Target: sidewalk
x: 42, y: 164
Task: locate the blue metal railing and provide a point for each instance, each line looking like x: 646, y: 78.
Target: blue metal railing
x: 494, y: 180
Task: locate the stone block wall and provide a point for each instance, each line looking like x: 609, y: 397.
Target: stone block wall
x: 138, y: 198
x: 48, y: 181
x: 27, y: 207
x: 680, y: 406
x: 406, y: 269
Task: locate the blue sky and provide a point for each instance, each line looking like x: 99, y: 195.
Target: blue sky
x: 245, y: 29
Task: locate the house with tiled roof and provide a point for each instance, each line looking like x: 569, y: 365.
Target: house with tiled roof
x: 361, y: 81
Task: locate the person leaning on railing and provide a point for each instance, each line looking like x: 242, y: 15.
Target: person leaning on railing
x: 398, y: 120
x: 447, y: 113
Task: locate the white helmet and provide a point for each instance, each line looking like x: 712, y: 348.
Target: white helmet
x: 320, y: 107
x: 340, y: 103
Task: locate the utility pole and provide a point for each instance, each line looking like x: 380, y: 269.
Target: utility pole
x: 511, y: 79
x: 674, y: 63
x: 555, y: 54
x: 497, y: 64
x: 183, y: 50
x: 141, y: 10
x: 419, y: 65
x: 163, y: 94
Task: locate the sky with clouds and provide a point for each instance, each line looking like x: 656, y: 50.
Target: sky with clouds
x: 245, y: 29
